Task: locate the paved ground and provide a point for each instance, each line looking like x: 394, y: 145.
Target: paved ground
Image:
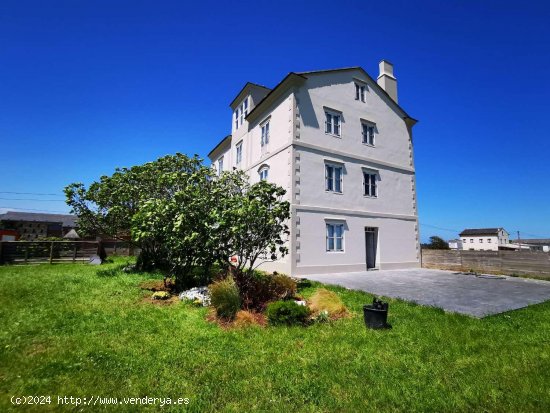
x: 451, y: 291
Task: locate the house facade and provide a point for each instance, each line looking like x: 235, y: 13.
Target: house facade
x: 485, y: 239
x: 341, y: 146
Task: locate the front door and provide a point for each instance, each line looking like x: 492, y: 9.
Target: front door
x: 371, y: 238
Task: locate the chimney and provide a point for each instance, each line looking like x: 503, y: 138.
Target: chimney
x: 386, y: 80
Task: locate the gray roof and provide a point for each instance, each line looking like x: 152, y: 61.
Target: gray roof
x: 534, y: 241
x: 65, y: 219
x: 480, y: 231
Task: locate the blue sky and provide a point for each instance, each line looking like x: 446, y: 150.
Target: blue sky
x: 86, y: 86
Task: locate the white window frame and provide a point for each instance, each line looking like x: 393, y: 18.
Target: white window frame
x: 366, y: 138
x: 372, y: 175
x: 220, y: 165
x: 264, y: 138
x: 360, y: 92
x: 331, y: 127
x: 332, y: 177
x: 335, y: 237
x: 264, y: 172
x: 239, y: 153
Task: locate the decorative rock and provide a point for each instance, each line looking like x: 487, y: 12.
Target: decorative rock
x: 95, y: 260
x: 302, y: 302
x: 198, y: 295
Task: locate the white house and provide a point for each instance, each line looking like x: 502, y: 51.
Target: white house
x: 485, y: 239
x: 341, y: 146
x: 455, y: 244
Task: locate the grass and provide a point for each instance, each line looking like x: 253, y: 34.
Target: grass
x: 78, y: 330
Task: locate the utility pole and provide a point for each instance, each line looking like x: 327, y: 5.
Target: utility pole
x: 519, y: 242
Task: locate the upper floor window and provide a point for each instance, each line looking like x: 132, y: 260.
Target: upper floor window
x: 333, y: 178
x: 241, y: 112
x: 368, y: 132
x: 239, y: 154
x: 264, y: 172
x: 369, y: 184
x: 332, y: 123
x: 464, y: 240
x: 471, y: 240
x: 335, y: 237
x: 489, y: 240
x: 481, y: 240
x: 360, y: 92
x: 220, y: 165
x: 265, y: 133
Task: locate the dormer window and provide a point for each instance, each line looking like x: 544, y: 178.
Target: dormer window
x: 241, y: 112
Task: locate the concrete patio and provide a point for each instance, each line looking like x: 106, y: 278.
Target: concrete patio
x: 477, y: 296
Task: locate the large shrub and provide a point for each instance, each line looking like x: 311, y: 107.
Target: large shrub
x: 257, y: 288
x: 287, y: 312
x: 224, y: 297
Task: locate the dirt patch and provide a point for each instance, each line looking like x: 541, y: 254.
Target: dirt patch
x: 158, y: 285
x: 170, y: 301
x: 241, y: 321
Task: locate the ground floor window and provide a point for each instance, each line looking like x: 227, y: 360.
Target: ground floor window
x: 335, y: 237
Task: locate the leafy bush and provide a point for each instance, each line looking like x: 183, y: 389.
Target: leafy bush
x: 287, y: 312
x: 258, y: 288
x: 161, y: 295
x: 325, y: 300
x: 224, y: 297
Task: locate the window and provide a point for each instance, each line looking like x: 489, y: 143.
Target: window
x: 369, y: 184
x: 265, y: 134
x: 241, y: 112
x: 239, y: 155
x: 335, y: 237
x: 333, y: 178
x: 464, y: 240
x: 220, y: 165
x: 368, y: 133
x: 264, y: 172
x: 471, y: 240
x: 332, y: 124
x: 481, y: 240
x: 360, y: 92
x: 489, y: 240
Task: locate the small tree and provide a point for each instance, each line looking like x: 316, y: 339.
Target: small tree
x: 436, y: 243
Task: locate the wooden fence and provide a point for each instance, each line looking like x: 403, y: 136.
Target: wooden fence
x: 497, y: 262
x: 34, y: 252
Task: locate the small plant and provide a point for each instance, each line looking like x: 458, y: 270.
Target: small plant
x: 325, y: 300
x: 287, y: 312
x: 224, y: 297
x: 161, y: 295
x: 245, y: 319
x: 322, y: 317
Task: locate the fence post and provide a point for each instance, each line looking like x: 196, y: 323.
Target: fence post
x: 26, y: 253
x: 51, y: 253
x: 74, y: 253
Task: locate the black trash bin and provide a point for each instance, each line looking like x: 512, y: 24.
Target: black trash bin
x: 376, y: 314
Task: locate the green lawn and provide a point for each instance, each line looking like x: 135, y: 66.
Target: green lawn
x: 78, y: 330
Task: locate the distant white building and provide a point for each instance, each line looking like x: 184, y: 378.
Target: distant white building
x: 342, y: 147
x: 485, y: 239
x: 542, y: 245
x: 455, y: 244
